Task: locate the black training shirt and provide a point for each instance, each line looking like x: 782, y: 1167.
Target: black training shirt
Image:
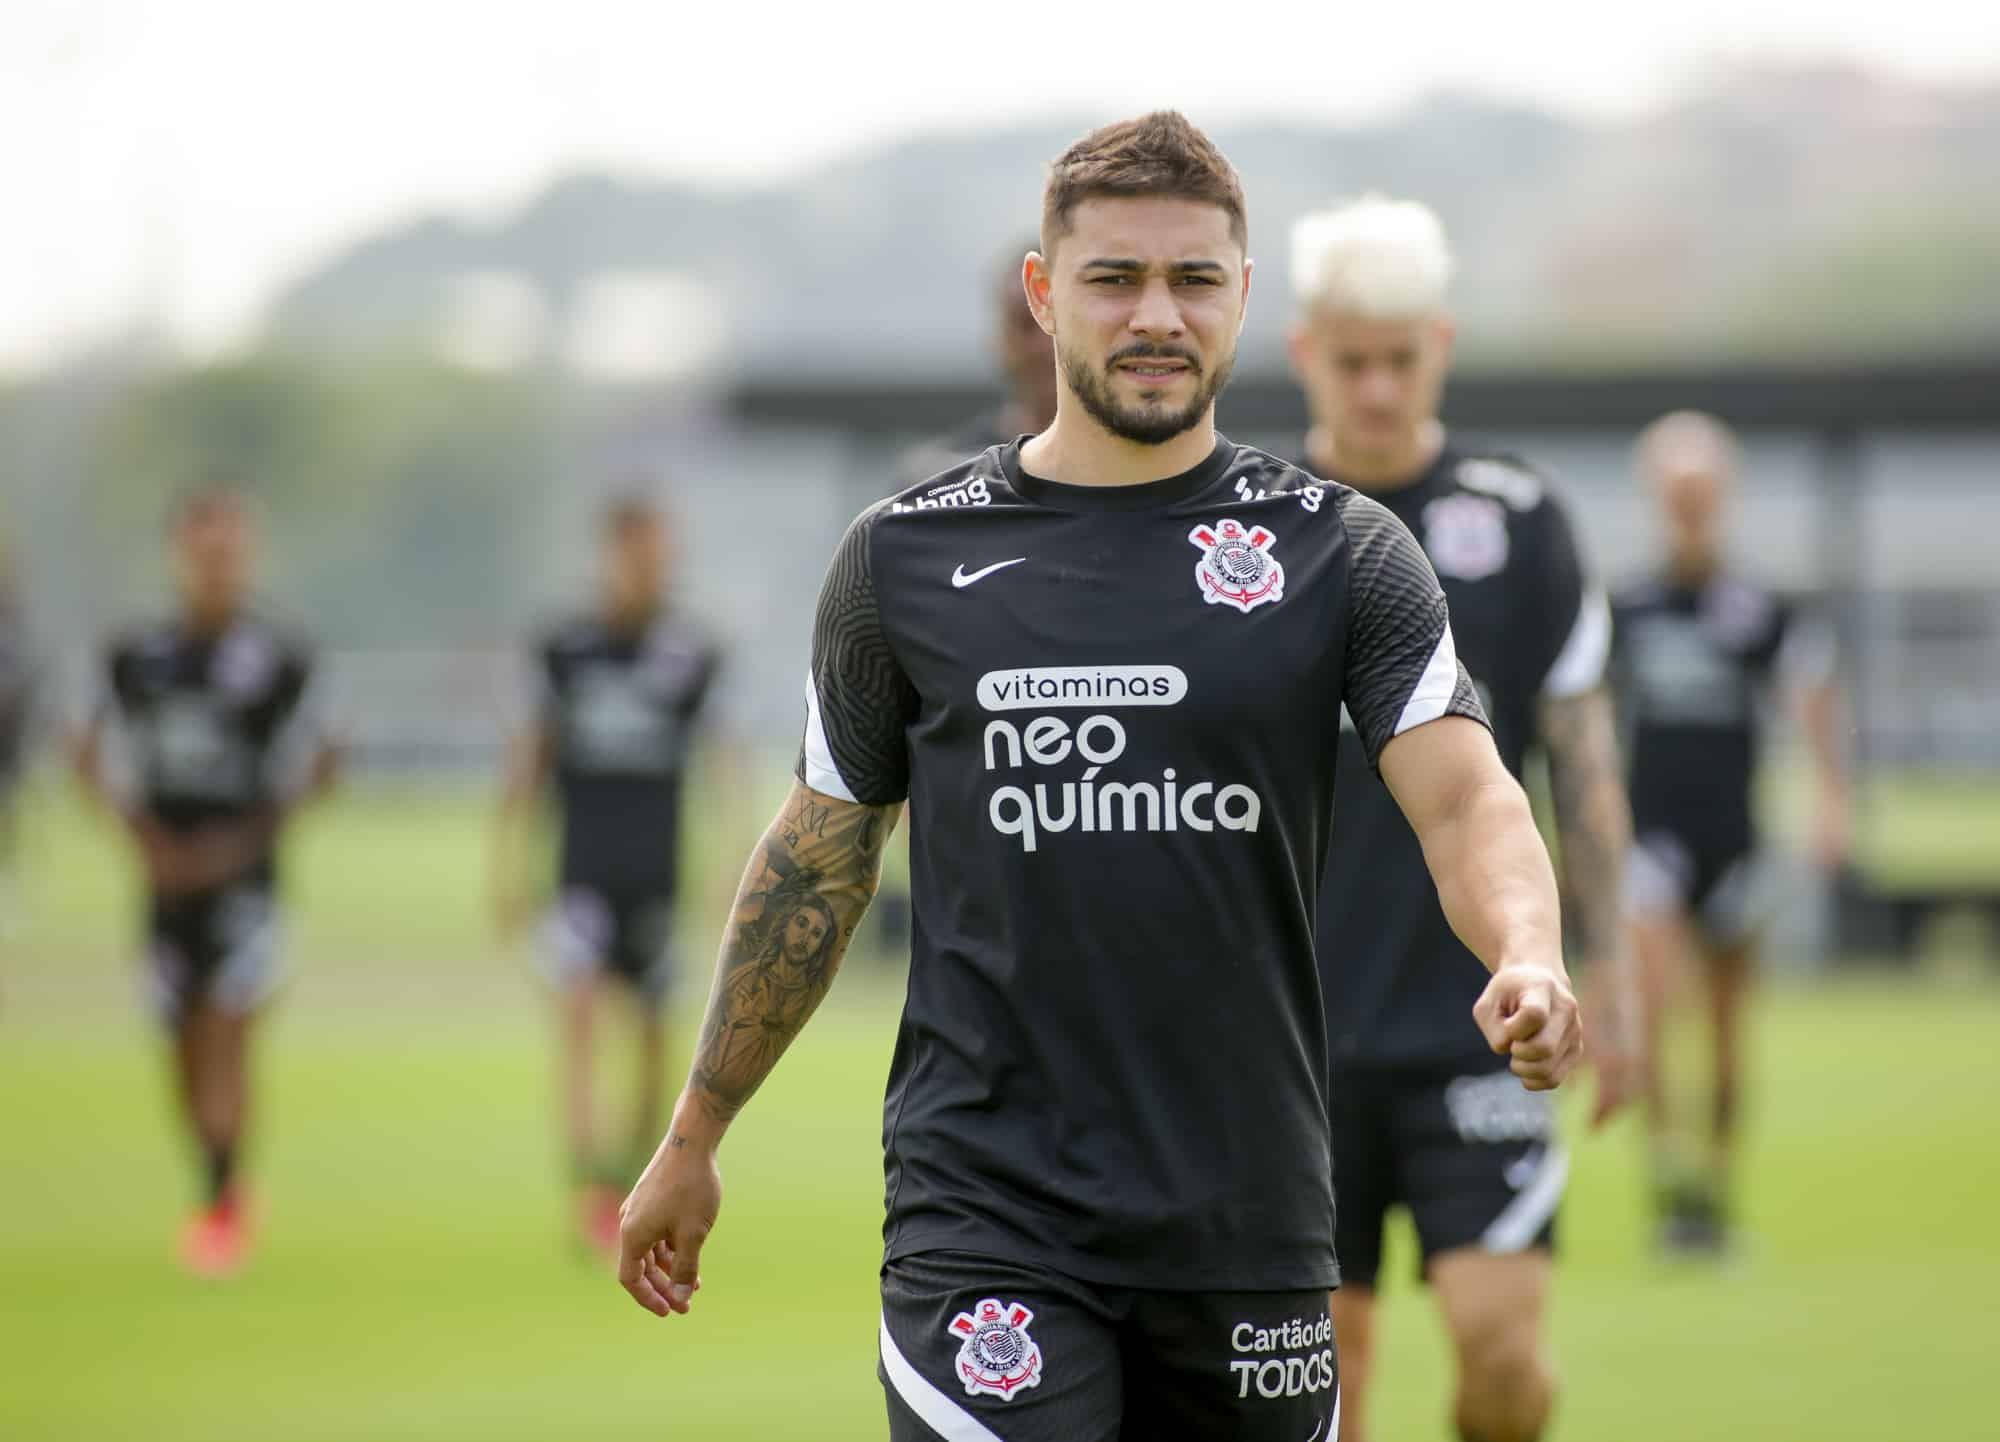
x: 1115, y: 713
x: 208, y: 726
x: 621, y: 704
x: 1693, y: 667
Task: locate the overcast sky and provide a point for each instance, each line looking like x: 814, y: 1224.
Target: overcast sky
x: 183, y: 159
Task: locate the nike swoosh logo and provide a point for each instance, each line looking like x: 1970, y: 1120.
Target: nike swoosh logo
x: 961, y: 579
x: 1315, y: 1431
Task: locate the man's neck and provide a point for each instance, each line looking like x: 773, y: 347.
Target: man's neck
x: 1076, y: 451
x: 621, y: 614
x: 1375, y: 470
x: 208, y: 621
x: 1692, y: 573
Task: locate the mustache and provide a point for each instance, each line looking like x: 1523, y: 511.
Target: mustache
x: 1146, y: 350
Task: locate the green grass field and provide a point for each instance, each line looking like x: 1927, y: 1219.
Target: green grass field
x: 416, y: 1281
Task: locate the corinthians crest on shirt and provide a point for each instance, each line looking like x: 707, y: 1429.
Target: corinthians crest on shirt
x: 1236, y: 566
x: 996, y: 1355
x: 1466, y: 536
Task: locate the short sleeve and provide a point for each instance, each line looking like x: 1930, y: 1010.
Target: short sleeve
x: 98, y: 700
x: 1569, y: 629
x: 1402, y: 665
x: 1806, y: 654
x: 90, y: 697
x: 859, y: 701
x: 708, y: 669
x: 305, y: 722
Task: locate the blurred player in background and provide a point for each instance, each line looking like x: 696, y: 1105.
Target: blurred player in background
x: 1107, y: 681
x: 203, y: 740
x: 1027, y: 364
x: 1699, y: 652
x: 619, y: 691
x: 18, y: 676
x: 1424, y: 1115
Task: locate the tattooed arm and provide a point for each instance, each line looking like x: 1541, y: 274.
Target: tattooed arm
x: 809, y: 880
x: 1594, y: 831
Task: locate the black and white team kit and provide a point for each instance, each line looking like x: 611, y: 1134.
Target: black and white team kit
x: 210, y: 729
x: 1696, y: 667
x: 621, y: 705
x: 1115, y: 715
x: 1424, y: 1115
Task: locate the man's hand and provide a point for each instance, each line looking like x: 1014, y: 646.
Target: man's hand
x: 1529, y: 1013
x: 663, y: 1224
x: 1620, y: 1078
x: 1615, y: 1046
x: 1832, y: 832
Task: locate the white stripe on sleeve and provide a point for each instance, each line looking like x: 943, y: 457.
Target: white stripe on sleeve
x: 1515, y: 1229
x: 821, y: 772
x: 942, y: 1415
x: 1580, y: 666
x: 1435, y: 687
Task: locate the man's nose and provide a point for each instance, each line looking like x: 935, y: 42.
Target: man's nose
x: 1157, y: 314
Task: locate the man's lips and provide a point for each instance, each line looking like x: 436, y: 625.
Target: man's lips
x: 1154, y: 369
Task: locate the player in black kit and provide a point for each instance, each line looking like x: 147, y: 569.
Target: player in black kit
x: 618, y: 693
x: 1700, y: 652
x: 203, y: 740
x: 1107, y: 679
x: 19, y: 685
x: 1424, y: 1116
x: 1027, y: 363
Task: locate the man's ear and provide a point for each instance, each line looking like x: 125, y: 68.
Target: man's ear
x: 1036, y: 281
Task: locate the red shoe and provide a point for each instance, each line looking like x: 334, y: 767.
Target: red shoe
x: 216, y: 1241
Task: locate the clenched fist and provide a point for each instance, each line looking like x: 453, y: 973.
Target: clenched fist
x: 1529, y: 1013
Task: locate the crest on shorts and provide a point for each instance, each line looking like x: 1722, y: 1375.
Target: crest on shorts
x: 996, y: 1355
x: 1466, y: 536
x: 1236, y: 566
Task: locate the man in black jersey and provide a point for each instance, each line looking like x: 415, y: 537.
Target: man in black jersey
x: 203, y: 740
x: 1027, y: 363
x: 1700, y: 651
x: 618, y: 692
x: 1424, y: 1116
x: 18, y: 687
x: 1108, y: 683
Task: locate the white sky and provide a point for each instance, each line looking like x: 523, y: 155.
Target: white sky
x: 181, y: 159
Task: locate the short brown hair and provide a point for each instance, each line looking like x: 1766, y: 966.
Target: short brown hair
x: 1158, y: 154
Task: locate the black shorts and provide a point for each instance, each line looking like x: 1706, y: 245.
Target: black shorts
x: 974, y: 1348
x: 1715, y: 878
x: 1475, y: 1157
x: 596, y: 931
x: 215, y: 946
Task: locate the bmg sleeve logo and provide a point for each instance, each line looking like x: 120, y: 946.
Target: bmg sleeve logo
x: 997, y: 1356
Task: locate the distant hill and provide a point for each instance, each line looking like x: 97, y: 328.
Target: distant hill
x: 1777, y: 214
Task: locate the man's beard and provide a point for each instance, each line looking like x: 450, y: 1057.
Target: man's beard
x: 1147, y: 424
